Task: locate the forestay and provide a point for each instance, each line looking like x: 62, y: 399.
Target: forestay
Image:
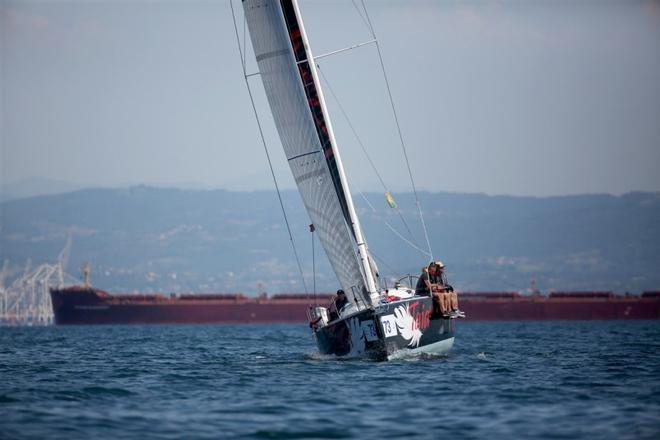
x: 295, y: 100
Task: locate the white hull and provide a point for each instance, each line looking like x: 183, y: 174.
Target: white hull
x: 437, y: 348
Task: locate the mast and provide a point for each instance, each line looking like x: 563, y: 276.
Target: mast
x: 292, y: 86
x: 363, y: 250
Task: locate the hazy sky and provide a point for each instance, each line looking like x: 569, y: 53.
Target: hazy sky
x: 502, y: 97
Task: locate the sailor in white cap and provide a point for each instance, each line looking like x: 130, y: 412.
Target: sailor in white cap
x: 449, y: 297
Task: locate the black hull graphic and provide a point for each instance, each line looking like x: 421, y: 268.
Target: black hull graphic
x: 389, y: 331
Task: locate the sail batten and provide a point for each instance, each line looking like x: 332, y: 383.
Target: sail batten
x: 297, y: 106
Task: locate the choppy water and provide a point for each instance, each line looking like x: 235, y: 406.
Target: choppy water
x: 502, y: 380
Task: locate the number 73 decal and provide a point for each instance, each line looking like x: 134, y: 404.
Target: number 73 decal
x: 389, y: 325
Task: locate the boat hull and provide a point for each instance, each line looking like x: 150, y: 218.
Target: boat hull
x: 390, y: 331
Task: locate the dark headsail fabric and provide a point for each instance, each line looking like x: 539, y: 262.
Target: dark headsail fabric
x: 293, y: 96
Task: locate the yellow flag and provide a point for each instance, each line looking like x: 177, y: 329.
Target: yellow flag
x: 390, y: 199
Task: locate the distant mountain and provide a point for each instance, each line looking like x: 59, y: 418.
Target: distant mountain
x: 39, y: 186
x: 148, y: 239
x: 36, y: 186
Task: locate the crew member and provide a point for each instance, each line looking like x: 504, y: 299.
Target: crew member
x: 337, y: 304
x: 449, y: 297
x: 423, y: 287
x: 428, y: 284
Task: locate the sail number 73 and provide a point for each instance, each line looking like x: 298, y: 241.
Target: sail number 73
x: 389, y: 325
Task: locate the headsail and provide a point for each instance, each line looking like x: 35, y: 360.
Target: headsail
x: 296, y: 102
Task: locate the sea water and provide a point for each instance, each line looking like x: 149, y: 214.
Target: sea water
x: 502, y: 380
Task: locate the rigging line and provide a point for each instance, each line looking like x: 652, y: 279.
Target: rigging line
x: 364, y: 150
x: 361, y: 16
x: 397, y: 233
x: 316, y: 303
x: 341, y: 108
x: 355, y: 46
x: 366, y: 14
x: 398, y: 127
x: 383, y: 262
x: 270, y: 164
x: 244, y: 56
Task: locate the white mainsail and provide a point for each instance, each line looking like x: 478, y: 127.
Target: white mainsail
x: 296, y: 102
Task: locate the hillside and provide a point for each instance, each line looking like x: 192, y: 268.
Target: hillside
x: 154, y: 239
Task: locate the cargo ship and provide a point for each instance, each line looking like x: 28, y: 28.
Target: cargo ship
x: 87, y: 305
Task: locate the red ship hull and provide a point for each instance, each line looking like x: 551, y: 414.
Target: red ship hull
x: 77, y: 305
x: 543, y: 308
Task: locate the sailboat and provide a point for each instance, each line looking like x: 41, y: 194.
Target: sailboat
x: 377, y: 323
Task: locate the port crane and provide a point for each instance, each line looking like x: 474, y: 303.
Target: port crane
x: 26, y: 300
